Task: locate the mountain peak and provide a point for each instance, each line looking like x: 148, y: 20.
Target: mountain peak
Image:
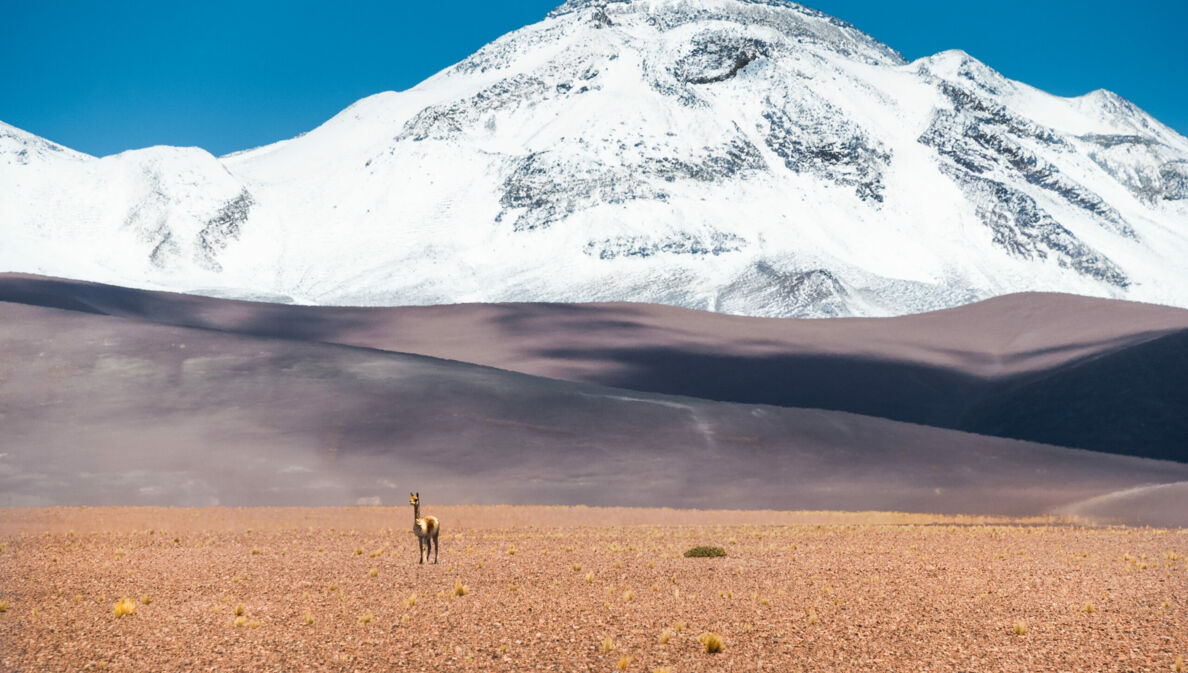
x: 743, y: 156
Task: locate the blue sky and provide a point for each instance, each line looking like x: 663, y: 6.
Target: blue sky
x: 103, y: 77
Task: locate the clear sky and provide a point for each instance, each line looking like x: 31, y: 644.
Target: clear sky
x: 102, y: 76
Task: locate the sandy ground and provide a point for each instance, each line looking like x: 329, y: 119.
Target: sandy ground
x: 584, y: 589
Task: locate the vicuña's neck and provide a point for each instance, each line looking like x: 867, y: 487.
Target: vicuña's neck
x: 416, y: 511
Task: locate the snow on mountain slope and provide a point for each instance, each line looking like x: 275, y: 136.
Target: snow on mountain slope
x: 745, y: 156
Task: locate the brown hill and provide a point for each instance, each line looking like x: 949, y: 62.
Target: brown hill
x: 105, y: 410
x: 1060, y: 369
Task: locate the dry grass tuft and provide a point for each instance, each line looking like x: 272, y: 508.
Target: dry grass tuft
x: 126, y: 606
x: 589, y: 578
x: 608, y: 644
x: 705, y: 552
x: 253, y: 624
x: 309, y: 618
x: 373, y: 572
x: 1020, y: 628
x: 3, y: 606
x: 365, y: 619
x: 460, y: 589
x: 624, y: 662
x: 1088, y: 609
x: 628, y: 595
x: 147, y: 599
x: 712, y: 642
x: 255, y: 551
x: 240, y: 609
x: 577, y: 567
x: 410, y: 601
x: 665, y: 636
x: 240, y: 621
x: 1178, y: 665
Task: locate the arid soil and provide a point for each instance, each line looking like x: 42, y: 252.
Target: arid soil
x: 583, y: 589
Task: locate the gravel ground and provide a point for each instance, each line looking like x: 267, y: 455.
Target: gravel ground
x: 583, y: 589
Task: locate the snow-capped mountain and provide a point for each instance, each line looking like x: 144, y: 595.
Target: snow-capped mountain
x: 745, y: 156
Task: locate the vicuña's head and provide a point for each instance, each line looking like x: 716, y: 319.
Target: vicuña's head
x: 414, y: 498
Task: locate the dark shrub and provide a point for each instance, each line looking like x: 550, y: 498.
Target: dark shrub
x: 705, y: 552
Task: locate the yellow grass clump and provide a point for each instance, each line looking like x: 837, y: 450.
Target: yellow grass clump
x: 240, y: 621
x: 309, y: 618
x: 460, y: 589
x: 624, y: 662
x: 365, y: 619
x: 608, y: 644
x: 1178, y: 665
x: 253, y: 624
x: 1020, y: 628
x: 577, y: 567
x: 147, y: 599
x: 712, y: 642
x: 589, y: 577
x: 373, y: 572
x: 665, y: 636
x: 3, y: 606
x: 126, y: 606
x: 410, y: 601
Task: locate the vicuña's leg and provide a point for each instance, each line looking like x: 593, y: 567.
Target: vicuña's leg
x: 436, y: 546
x: 420, y: 549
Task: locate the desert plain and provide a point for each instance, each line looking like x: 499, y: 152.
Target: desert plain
x: 584, y: 589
